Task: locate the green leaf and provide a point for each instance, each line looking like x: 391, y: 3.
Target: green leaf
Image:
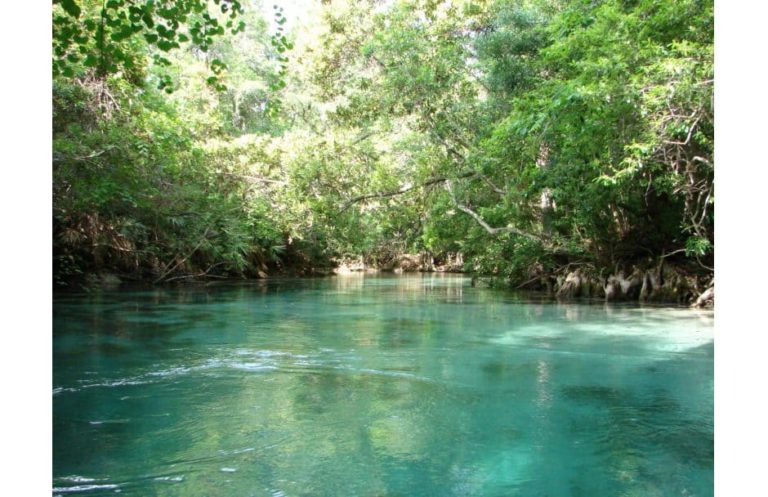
x: 71, y: 8
x: 165, y: 45
x: 147, y: 18
x: 697, y: 246
x: 123, y: 34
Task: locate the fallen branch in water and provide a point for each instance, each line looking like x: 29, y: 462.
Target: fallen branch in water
x: 521, y: 285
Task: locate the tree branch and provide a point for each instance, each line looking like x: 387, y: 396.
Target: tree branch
x: 493, y: 187
x: 404, y: 189
x: 668, y: 254
x: 166, y: 273
x: 83, y: 158
x: 258, y: 179
x: 363, y: 137
x: 487, y: 227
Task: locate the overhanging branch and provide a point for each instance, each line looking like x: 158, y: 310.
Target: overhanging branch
x: 405, y: 189
x: 487, y: 227
x: 545, y: 241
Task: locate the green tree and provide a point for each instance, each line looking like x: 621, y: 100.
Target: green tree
x: 110, y: 36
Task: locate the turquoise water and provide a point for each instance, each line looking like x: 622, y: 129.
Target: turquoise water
x: 378, y: 386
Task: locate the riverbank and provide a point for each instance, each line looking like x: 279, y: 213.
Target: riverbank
x: 661, y: 284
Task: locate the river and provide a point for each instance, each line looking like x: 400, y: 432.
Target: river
x: 378, y: 386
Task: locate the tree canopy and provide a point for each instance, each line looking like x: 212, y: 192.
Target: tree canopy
x: 222, y: 138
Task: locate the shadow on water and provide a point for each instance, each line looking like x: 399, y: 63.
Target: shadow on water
x: 644, y: 438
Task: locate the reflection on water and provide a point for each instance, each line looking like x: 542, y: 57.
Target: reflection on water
x: 378, y: 386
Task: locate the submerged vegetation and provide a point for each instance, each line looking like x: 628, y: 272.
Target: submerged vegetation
x: 549, y: 144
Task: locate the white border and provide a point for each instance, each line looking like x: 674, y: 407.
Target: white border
x: 741, y: 190
x: 25, y: 248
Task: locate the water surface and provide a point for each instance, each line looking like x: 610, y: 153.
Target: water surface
x: 378, y: 386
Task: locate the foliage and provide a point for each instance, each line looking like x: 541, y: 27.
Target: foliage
x: 527, y: 135
x: 108, y: 36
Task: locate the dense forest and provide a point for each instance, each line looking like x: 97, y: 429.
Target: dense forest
x: 558, y: 145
